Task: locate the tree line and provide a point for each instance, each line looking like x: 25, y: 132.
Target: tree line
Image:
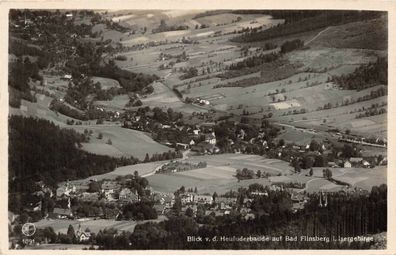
x: 19, y: 75
x: 307, y: 23
x: 365, y: 76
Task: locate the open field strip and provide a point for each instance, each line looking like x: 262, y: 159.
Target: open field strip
x: 211, y: 172
x: 143, y: 169
x: 95, y: 226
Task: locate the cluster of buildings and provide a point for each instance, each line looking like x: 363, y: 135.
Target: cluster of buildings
x: 199, y: 138
x: 109, y: 191
x: 221, y: 206
x: 358, y: 162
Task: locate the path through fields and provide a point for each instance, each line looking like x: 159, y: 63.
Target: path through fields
x: 316, y: 36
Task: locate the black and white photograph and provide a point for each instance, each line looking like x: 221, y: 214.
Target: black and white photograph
x: 197, y: 129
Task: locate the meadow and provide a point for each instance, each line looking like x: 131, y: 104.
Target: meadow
x: 61, y: 226
x: 124, y: 142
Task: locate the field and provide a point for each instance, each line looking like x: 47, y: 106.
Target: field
x: 144, y: 170
x: 307, y: 89
x: 106, y: 83
x: 94, y: 226
x: 219, y: 175
x: 125, y: 142
x: 116, y: 104
x: 343, y: 117
x: 328, y: 51
x: 359, y: 35
x: 163, y: 97
x: 363, y: 178
x: 170, y: 183
x: 249, y: 83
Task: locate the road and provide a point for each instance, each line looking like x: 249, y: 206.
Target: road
x: 316, y: 36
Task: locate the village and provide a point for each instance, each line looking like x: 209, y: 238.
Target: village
x: 132, y: 129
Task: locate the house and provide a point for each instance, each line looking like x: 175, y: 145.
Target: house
x: 210, y: 138
x: 110, y: 195
x: 356, y: 161
x: 205, y: 147
x: 163, y: 198
x: 207, y: 127
x: 126, y: 195
x: 203, y: 199
x: 247, y: 202
x: 60, y: 213
x: 92, y: 197
x: 226, y: 200
x: 192, y: 142
x: 225, y: 203
x: 298, y: 198
x: 65, y: 189
x: 332, y: 164
x: 347, y: 164
x: 258, y: 193
x: 365, y: 164
x: 204, y: 102
x: 182, y: 146
x: 186, y: 198
x: 110, y: 186
x: 383, y: 162
x: 82, y: 236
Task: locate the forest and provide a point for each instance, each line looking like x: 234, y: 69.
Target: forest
x: 314, y: 22
x: 142, y: 210
x: 256, y: 61
x: 163, y: 27
x: 365, y: 76
x: 288, y: 15
x: 131, y: 82
x: 20, y: 72
x: 41, y: 151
